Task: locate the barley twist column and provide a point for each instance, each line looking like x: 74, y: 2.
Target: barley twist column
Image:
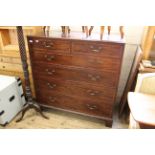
x: 30, y: 103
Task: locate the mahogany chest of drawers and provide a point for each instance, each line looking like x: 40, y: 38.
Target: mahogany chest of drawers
x: 76, y: 75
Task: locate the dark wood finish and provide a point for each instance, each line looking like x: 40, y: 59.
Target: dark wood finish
x: 108, y: 123
x: 54, y: 45
x: 77, y: 75
x: 95, y: 77
x: 96, y: 108
x: 146, y: 126
x: 30, y: 104
x: 98, y: 49
x: 76, y: 89
x: 104, y: 64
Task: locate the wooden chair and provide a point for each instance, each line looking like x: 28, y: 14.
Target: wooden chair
x: 142, y: 102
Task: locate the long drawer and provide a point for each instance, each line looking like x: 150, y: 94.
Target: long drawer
x: 100, y: 108
x: 111, y: 64
x: 75, y: 89
x: 108, y: 79
x: 98, y: 49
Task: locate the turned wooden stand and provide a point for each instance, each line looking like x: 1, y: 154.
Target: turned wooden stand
x: 30, y: 104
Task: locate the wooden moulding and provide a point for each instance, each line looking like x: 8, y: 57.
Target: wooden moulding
x: 14, y: 27
x: 15, y: 73
x: 5, y: 37
x: 12, y: 54
x: 147, y: 41
x: 30, y: 29
x: 12, y: 67
x: 8, y: 37
x: 11, y: 59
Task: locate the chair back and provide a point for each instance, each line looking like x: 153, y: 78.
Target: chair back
x: 146, y: 83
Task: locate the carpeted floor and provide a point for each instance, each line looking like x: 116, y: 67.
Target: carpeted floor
x: 62, y: 120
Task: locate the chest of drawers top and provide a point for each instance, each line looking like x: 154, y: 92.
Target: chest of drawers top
x: 80, y: 36
x: 78, y: 52
x: 77, y: 43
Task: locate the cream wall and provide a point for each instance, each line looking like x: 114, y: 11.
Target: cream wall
x: 133, y: 35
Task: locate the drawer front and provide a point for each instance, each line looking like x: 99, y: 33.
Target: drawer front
x: 89, y: 107
x: 75, y: 89
x: 50, y: 44
x: 99, y: 49
x: 108, y: 79
x: 110, y: 64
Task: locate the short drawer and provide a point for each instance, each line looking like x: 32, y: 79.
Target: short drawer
x: 99, y: 49
x: 75, y: 89
x: 94, y: 108
x: 49, y: 44
x: 110, y: 64
x: 108, y: 79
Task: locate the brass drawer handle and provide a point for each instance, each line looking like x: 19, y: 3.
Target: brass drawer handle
x: 48, y: 45
x: 91, y: 107
x: 92, y: 92
x: 91, y: 46
x: 94, y: 78
x: 51, y: 86
x: 52, y: 99
x: 49, y: 58
x: 95, y: 50
x: 37, y: 41
x: 100, y: 48
x: 95, y: 61
x: 50, y: 72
